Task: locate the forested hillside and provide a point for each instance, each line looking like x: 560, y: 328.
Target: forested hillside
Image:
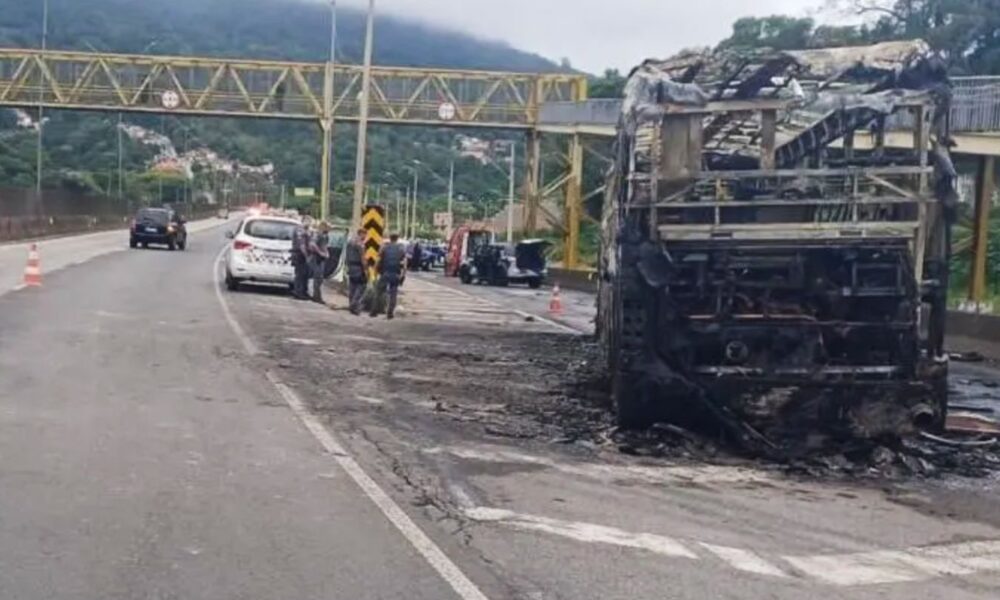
x: 81, y: 149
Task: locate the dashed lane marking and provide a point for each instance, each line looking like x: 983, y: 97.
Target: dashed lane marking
x: 744, y: 560
x: 842, y: 570
x: 583, y: 532
x: 431, y: 553
x: 371, y: 400
x: 898, y: 566
x: 706, y: 474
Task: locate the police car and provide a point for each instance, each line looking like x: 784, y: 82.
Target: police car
x: 261, y: 251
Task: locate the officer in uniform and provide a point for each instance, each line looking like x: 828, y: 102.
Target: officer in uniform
x: 391, y: 270
x: 319, y: 254
x: 354, y: 259
x: 300, y: 259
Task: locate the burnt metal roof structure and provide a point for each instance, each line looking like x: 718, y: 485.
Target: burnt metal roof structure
x: 824, y: 94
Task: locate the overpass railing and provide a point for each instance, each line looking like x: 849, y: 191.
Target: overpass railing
x: 975, y: 109
x: 589, y: 112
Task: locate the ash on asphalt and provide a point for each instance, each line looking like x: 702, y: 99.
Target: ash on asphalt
x: 530, y: 387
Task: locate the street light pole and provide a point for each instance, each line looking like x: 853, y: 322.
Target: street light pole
x: 326, y: 123
x: 397, y: 213
x: 416, y: 187
x: 41, y: 97
x: 362, y: 150
x: 405, y: 214
x: 121, y: 169
x: 510, y: 195
x: 451, y: 199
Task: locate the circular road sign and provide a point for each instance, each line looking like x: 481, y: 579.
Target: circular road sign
x: 170, y: 99
x: 447, y: 111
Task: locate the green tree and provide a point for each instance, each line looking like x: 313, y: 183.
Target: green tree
x: 610, y: 85
x: 965, y: 31
x: 776, y: 32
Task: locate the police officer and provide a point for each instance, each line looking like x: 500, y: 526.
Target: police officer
x: 356, y: 276
x: 391, y: 270
x: 300, y: 259
x: 319, y: 254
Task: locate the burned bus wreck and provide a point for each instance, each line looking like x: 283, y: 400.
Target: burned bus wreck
x: 767, y: 261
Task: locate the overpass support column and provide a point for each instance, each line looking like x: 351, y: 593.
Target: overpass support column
x: 531, y: 181
x: 574, y: 201
x: 985, y: 187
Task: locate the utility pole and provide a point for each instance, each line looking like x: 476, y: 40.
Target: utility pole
x: 416, y: 186
x: 326, y: 123
x: 121, y: 170
x: 510, y: 195
x: 406, y: 214
x: 159, y: 176
x: 451, y: 199
x: 399, y: 221
x: 362, y: 150
x: 41, y: 111
x: 282, y: 196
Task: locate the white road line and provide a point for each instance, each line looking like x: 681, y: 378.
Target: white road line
x: 897, y: 566
x: 583, y: 532
x: 248, y: 344
x: 435, y: 557
x: 370, y: 400
x: 707, y: 474
x: 857, y: 569
x: 744, y: 560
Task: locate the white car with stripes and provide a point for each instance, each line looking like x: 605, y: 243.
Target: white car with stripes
x: 261, y: 251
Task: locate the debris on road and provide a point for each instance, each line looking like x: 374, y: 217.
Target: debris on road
x: 523, y: 386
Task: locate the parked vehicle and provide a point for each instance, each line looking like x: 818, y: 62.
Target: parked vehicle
x: 464, y: 243
x: 261, y: 252
x: 495, y: 264
x: 162, y: 226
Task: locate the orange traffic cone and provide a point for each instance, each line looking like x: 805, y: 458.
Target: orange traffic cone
x: 33, y: 270
x: 555, y: 303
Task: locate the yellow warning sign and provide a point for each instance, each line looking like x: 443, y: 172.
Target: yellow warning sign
x: 373, y: 222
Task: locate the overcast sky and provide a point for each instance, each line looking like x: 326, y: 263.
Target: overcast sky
x: 595, y: 34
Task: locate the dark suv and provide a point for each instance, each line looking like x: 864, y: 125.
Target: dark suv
x: 158, y: 226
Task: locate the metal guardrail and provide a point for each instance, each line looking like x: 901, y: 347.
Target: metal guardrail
x: 975, y: 108
x: 588, y: 112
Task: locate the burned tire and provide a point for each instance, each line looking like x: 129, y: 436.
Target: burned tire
x: 534, y: 283
x: 632, y: 409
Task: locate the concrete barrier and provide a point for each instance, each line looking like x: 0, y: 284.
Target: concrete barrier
x: 969, y: 332
x: 579, y: 280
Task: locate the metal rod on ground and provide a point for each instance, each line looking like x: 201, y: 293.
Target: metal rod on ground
x: 359, y: 162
